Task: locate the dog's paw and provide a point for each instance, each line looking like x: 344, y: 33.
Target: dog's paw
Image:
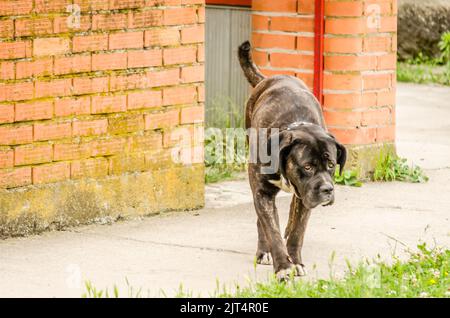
x: 264, y: 259
x: 300, y: 270
x: 284, y: 275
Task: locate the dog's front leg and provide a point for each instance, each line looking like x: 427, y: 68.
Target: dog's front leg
x: 295, y: 233
x: 266, y: 210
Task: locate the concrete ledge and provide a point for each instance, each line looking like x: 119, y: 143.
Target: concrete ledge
x: 364, y: 158
x: 55, y: 206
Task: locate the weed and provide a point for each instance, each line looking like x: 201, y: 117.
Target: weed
x: 390, y: 167
x: 348, y: 178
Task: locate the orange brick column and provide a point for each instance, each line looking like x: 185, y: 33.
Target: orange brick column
x: 90, y: 94
x: 359, y: 71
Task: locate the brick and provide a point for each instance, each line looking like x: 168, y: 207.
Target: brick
x: 201, y: 15
x: 126, y: 124
x: 345, y: 26
x: 50, y: 46
x: 54, y: 88
x: 33, y: 26
x: 292, y: 60
x: 263, y: 40
x: 13, y: 178
x: 123, y: 163
x: 387, y: 62
x: 126, y: 40
x: 52, y: 131
x: 195, y: 34
x: 145, y: 19
x: 190, y: 115
x: 343, y: 101
x: 35, y: 68
x: 165, y: 119
x: 260, y: 22
x: 15, y: 7
x: 6, y: 28
x: 305, y: 43
x: 72, y: 106
x: 386, y: 98
x: 350, y: 63
x: 377, y: 81
x: 90, y: 127
x: 109, y: 61
x: 305, y: 6
x: 271, y: 72
x: 71, y: 151
x: 201, y: 53
x: 89, y: 168
x: 108, y: 147
x: 307, y: 78
x: 185, y: 15
x: 46, y: 6
x: 107, y: 22
x: 342, y: 119
x: 86, y: 85
x: 6, y: 158
x: 144, y: 58
x: 191, y: 74
x: 343, y: 45
x: 6, y: 113
x: 7, y: 70
x: 277, y: 6
x: 376, y: 117
x: 49, y: 173
x: 15, y: 50
x: 179, y: 95
x: 16, y: 91
x: 109, y: 104
x: 342, y: 81
x: 16, y: 135
x: 93, y: 5
x: 90, y: 43
x: 144, y: 99
x: 201, y: 93
x: 163, y: 78
x: 125, y: 4
x: 147, y: 141
x: 32, y: 154
x: 377, y: 44
x: 355, y: 136
x: 65, y: 24
x: 344, y: 9
x: 292, y: 24
x: 128, y: 82
x: 260, y: 58
x: 179, y: 55
x: 72, y: 64
x: 386, y: 133
x: 388, y: 24
x: 162, y: 37
x: 182, y: 136
x: 383, y: 5
x: 34, y: 110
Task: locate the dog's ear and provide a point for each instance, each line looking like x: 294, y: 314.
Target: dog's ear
x: 286, y: 139
x: 341, y: 157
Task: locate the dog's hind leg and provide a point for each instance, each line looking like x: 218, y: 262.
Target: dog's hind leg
x: 263, y: 256
x: 295, y: 233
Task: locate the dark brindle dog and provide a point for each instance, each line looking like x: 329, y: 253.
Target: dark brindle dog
x: 307, y: 157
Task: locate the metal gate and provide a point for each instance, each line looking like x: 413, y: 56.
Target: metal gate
x: 226, y: 88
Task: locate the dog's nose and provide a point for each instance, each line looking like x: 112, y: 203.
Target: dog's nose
x: 326, y: 188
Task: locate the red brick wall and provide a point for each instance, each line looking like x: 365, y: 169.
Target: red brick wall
x: 81, y: 100
x: 360, y: 60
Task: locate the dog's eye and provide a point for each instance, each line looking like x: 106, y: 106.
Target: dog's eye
x: 330, y: 165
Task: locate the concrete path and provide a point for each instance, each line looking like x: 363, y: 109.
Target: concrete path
x: 218, y: 242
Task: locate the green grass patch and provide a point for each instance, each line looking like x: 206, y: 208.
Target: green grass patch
x: 393, y: 168
x: 425, y: 273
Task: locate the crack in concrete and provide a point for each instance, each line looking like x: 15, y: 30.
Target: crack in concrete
x: 202, y: 248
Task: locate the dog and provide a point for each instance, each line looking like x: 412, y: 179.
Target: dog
x: 307, y: 157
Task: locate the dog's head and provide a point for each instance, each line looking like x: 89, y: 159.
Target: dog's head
x: 308, y: 156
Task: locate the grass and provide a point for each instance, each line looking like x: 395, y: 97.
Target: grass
x: 424, y: 274
x: 393, y: 168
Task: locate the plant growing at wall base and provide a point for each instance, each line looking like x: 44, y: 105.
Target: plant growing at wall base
x: 348, y: 178
x: 390, y: 167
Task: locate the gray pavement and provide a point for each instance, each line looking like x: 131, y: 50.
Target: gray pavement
x: 197, y: 248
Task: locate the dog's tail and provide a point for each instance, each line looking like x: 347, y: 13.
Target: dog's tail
x: 253, y: 75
